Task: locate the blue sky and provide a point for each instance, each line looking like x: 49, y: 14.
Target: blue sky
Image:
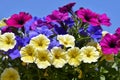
x: 42, y: 8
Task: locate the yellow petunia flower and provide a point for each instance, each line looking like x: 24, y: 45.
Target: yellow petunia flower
x: 27, y: 54
x: 58, y: 57
x: 96, y: 45
x: 89, y: 54
x: 10, y: 74
x: 2, y: 23
x: 104, y: 33
x: 73, y: 56
x: 43, y: 58
x: 40, y: 42
x: 66, y: 40
x: 7, y: 41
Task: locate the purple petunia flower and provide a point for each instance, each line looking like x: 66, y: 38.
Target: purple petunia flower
x: 56, y: 16
x: 18, y: 20
x: 95, y: 32
x: 88, y: 16
x: 40, y: 30
x: 67, y: 7
x: 109, y: 44
x: 104, y: 20
x: 53, y: 43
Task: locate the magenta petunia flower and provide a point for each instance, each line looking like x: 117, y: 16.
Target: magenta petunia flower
x: 88, y: 16
x: 57, y: 16
x: 117, y: 32
x: 18, y: 20
x: 104, y: 20
x: 109, y: 44
x: 67, y: 7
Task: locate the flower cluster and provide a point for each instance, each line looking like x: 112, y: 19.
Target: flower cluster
x: 72, y: 44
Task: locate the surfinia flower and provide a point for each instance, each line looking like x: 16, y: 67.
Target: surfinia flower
x: 109, y: 44
x: 7, y: 41
x: 27, y: 54
x: 104, y: 20
x: 66, y: 8
x: 2, y: 23
x: 43, y: 58
x: 57, y: 16
x: 89, y: 54
x: 73, y: 56
x: 18, y: 20
x: 88, y: 16
x: 104, y: 33
x: 66, y: 40
x: 40, y: 42
x: 10, y: 74
x: 58, y: 57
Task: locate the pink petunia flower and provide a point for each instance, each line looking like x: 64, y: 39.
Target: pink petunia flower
x: 104, y: 20
x: 57, y: 16
x: 88, y: 16
x: 109, y: 44
x: 18, y: 20
x: 67, y: 7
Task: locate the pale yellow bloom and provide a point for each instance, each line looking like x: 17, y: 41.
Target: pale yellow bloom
x: 66, y: 40
x: 73, y: 56
x: 7, y: 41
x: 96, y: 45
x: 89, y: 54
x: 104, y: 33
x: 40, y: 42
x: 27, y: 54
x: 43, y: 58
x: 10, y: 74
x: 58, y: 57
x: 2, y: 23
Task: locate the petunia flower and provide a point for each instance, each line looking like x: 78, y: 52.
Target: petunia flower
x: 40, y: 42
x: 56, y: 16
x: 104, y: 20
x: 58, y: 57
x: 27, y: 54
x: 18, y: 20
x: 89, y: 54
x: 67, y: 7
x: 109, y: 44
x: 2, y: 23
x: 7, y: 41
x: 43, y: 59
x: 66, y: 40
x: 88, y: 16
x: 10, y: 74
x: 73, y: 56
x: 95, y: 32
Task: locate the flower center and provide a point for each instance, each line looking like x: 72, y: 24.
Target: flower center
x: 112, y: 45
x: 87, y: 17
x: 21, y: 22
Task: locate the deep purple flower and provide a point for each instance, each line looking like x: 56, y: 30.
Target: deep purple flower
x: 69, y: 22
x: 67, y: 7
x: 18, y: 20
x: 83, y: 32
x: 40, y: 30
x: 104, y: 20
x: 57, y: 16
x: 88, y: 16
x: 59, y: 30
x: 31, y: 24
x: 53, y: 43
x: 109, y: 44
x: 14, y: 54
x: 95, y: 32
